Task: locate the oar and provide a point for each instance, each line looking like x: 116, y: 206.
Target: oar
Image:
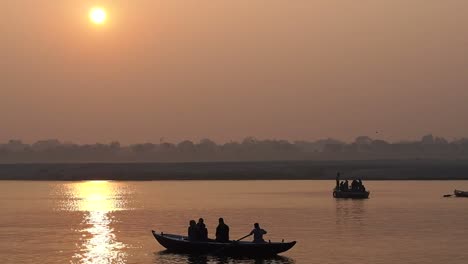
x: 229, y: 245
x: 242, y: 238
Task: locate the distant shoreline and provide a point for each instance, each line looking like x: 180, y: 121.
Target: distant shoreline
x: 268, y: 170
x: 214, y: 180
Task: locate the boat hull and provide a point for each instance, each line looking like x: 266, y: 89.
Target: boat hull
x: 351, y: 195
x: 460, y: 193
x: 180, y: 244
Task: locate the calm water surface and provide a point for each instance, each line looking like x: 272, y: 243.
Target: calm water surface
x: 110, y: 222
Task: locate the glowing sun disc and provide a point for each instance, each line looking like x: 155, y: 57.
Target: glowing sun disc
x: 97, y: 15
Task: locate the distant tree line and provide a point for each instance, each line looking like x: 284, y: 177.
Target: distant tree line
x: 250, y: 149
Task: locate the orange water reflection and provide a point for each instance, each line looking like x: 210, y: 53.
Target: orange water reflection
x: 98, y: 199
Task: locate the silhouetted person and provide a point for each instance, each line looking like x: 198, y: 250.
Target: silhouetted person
x: 346, y: 185
x: 361, y: 186
x: 222, y: 231
x: 258, y: 233
x: 202, y: 229
x: 193, y: 231
x: 354, y: 185
x: 337, y: 181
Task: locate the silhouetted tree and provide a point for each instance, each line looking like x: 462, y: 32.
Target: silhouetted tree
x: 250, y: 148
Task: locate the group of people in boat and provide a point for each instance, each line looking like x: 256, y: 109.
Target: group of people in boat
x: 356, y: 185
x: 199, y: 232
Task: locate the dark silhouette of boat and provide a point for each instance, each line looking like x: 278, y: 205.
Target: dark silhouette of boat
x: 351, y: 194
x: 181, y: 244
x: 357, y: 190
x: 459, y: 193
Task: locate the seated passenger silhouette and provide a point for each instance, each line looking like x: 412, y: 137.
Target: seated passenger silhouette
x: 202, y: 229
x: 222, y: 231
x: 345, y: 186
x: 258, y: 233
x: 354, y: 185
x: 193, y: 232
x: 361, y: 186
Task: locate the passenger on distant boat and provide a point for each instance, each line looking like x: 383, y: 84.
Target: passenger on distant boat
x: 202, y: 229
x: 344, y: 186
x: 361, y: 186
x: 258, y: 233
x: 222, y: 231
x: 354, y: 185
x: 193, y: 231
x: 338, y: 181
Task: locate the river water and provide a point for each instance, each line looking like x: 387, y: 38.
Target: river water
x: 110, y: 222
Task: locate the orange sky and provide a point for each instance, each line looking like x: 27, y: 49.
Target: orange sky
x: 189, y: 69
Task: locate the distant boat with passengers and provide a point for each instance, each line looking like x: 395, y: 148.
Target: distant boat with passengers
x: 357, y: 190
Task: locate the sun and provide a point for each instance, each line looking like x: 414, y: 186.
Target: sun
x: 97, y: 15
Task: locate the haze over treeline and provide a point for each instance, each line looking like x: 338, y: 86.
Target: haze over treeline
x: 249, y: 149
x: 226, y: 69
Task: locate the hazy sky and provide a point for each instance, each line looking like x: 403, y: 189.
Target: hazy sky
x: 177, y: 69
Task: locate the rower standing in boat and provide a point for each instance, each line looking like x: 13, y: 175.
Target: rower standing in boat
x: 222, y: 232
x: 258, y: 233
x: 337, y: 181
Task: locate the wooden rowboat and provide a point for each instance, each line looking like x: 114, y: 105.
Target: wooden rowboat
x: 351, y: 194
x: 181, y: 244
x: 459, y: 193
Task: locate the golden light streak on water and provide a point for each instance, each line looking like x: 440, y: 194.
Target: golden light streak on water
x: 98, y: 199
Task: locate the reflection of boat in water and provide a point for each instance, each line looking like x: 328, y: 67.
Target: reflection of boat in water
x: 167, y: 257
x: 459, y: 193
x: 181, y: 244
x: 351, y: 194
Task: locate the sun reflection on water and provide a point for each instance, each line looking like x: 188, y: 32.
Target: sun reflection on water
x: 97, y: 199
